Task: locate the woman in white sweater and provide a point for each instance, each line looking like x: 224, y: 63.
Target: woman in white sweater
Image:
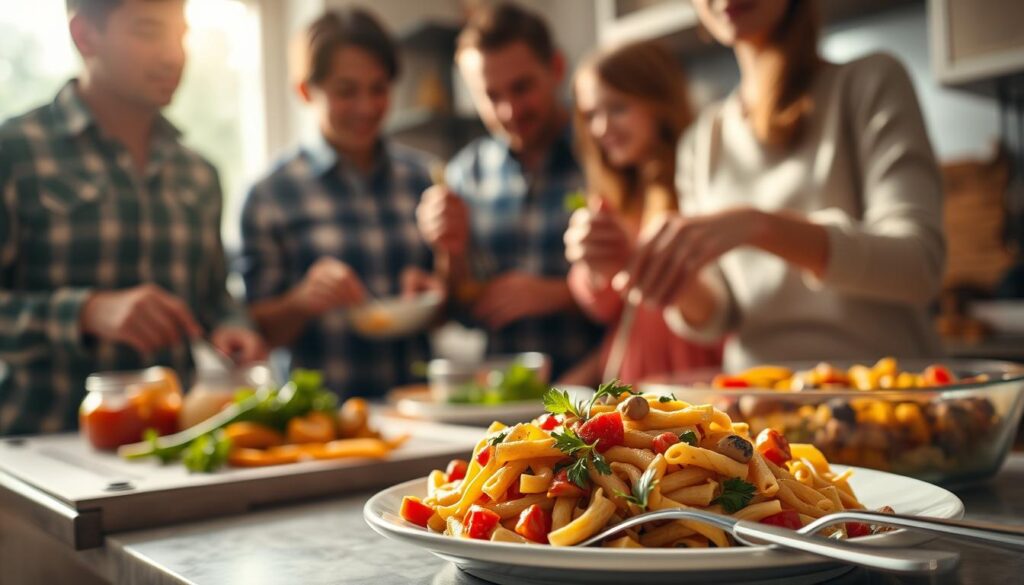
x: 812, y: 202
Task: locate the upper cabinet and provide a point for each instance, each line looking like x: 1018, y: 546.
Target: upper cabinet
x: 976, y: 40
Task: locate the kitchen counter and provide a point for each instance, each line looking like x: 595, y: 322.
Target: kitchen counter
x: 327, y: 542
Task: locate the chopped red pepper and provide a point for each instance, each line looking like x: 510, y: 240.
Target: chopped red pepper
x: 726, y: 381
x: 484, y: 456
x: 548, y: 422
x: 936, y: 375
x: 786, y: 519
x: 773, y: 446
x: 663, y: 441
x: 480, y: 523
x: 456, y: 470
x: 561, y: 486
x: 513, y: 493
x: 857, y: 529
x: 415, y: 511
x: 534, y: 524
x: 606, y: 428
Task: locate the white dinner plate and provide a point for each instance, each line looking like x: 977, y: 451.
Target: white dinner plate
x: 420, y: 405
x: 516, y: 564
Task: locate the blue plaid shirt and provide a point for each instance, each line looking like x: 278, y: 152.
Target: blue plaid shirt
x: 517, y: 223
x: 316, y: 204
x: 77, y: 217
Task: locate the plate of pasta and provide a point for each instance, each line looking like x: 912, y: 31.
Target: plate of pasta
x: 528, y: 493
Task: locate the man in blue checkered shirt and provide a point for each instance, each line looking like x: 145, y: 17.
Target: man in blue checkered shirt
x: 502, y: 215
x: 333, y: 225
x: 110, y: 251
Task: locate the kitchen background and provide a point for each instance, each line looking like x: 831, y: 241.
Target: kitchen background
x: 966, y: 58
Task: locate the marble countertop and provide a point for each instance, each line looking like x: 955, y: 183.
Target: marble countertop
x: 327, y: 542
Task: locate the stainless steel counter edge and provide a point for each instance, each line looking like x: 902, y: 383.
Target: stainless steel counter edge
x: 79, y: 529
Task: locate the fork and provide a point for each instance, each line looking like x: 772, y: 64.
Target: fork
x: 895, y: 560
x: 996, y: 534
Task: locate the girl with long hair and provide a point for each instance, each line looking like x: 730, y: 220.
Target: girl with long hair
x: 631, y: 109
x: 812, y: 204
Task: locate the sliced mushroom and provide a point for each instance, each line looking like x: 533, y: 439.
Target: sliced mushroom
x: 736, y: 448
x: 634, y: 407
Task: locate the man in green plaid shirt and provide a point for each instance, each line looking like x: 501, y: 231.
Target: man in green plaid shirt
x: 110, y: 251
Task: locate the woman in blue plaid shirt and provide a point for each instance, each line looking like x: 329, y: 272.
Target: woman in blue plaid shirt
x: 334, y: 223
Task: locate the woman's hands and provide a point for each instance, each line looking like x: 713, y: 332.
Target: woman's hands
x: 674, y: 249
x: 597, y: 238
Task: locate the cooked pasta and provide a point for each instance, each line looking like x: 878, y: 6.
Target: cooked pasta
x: 564, y: 478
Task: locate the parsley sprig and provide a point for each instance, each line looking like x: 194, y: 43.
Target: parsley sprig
x: 641, y: 490
x: 736, y: 494
x: 558, y: 402
x: 571, y: 444
x: 689, y: 437
x: 498, y: 438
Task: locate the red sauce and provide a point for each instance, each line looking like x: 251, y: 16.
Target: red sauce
x: 111, y: 421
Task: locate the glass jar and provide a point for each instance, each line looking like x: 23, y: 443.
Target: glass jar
x: 215, y: 389
x: 120, y: 406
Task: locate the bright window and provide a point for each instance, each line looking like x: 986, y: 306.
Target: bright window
x: 218, y: 106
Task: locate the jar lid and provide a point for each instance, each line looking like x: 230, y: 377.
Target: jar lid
x: 120, y: 381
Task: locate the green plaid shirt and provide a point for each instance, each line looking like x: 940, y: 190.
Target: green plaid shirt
x: 76, y: 216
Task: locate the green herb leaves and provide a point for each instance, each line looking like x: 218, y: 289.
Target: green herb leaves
x: 571, y: 444
x: 558, y: 402
x: 689, y: 437
x: 736, y: 494
x: 642, y: 489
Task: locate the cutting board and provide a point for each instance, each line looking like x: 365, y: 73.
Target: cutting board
x: 78, y: 494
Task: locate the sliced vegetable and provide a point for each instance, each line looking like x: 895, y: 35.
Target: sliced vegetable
x: 207, y: 453
x: 548, y: 422
x: 857, y: 529
x: 663, y: 441
x: 562, y: 486
x: 605, y: 429
x: 456, y: 470
x: 726, y: 381
x: 773, y: 446
x: 415, y: 511
x: 315, y: 427
x: 252, y: 435
x: 786, y: 519
x: 484, y: 456
x: 534, y: 524
x: 480, y: 522
x: 936, y: 375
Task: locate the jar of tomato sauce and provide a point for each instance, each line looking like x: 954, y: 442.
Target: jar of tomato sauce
x: 120, y: 406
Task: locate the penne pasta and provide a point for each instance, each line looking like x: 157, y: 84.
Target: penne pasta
x: 525, y: 478
x: 588, y: 524
x: 685, y: 455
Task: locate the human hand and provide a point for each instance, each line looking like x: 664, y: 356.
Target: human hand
x: 443, y: 220
x: 673, y: 249
x: 416, y: 281
x: 240, y: 344
x: 517, y: 295
x: 328, y: 284
x: 597, y: 238
x: 146, y: 317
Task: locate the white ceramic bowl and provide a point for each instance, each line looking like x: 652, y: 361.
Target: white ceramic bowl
x: 394, y: 317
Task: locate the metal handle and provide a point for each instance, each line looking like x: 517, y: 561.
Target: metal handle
x: 1005, y: 536
x: 896, y: 560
